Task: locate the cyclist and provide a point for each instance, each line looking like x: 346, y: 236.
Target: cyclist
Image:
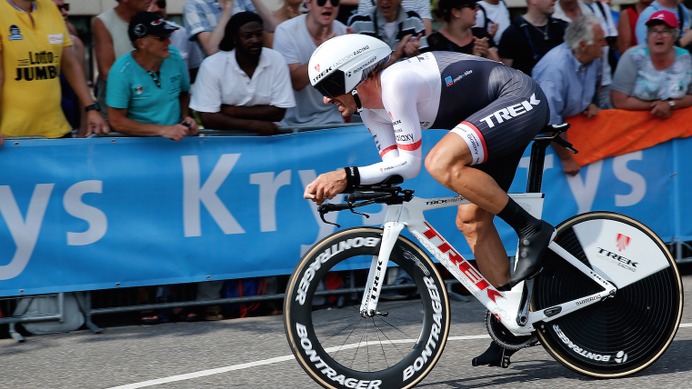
x: 493, y: 112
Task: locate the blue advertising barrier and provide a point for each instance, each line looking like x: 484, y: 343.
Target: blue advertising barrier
x: 87, y: 214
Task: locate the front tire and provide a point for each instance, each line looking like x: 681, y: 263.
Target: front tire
x: 338, y: 347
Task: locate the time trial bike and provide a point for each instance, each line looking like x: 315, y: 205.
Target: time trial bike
x: 606, y: 304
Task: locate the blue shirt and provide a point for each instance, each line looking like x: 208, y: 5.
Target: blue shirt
x: 569, y: 86
x: 640, y: 29
x: 148, y: 98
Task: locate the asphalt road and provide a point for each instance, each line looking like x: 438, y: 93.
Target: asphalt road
x: 253, y: 353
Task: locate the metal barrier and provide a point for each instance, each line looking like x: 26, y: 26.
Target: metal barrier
x: 681, y: 249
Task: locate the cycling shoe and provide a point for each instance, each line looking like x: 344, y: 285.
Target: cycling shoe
x: 495, y: 355
x: 531, y: 249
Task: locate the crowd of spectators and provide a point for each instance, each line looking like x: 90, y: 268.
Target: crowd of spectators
x: 484, y: 28
x: 237, y: 65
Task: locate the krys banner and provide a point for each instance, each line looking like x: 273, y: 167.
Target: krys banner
x: 85, y: 214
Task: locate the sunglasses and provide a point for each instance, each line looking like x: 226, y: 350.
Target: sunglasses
x: 161, y: 4
x: 471, y: 6
x: 321, y: 3
x: 65, y: 7
x: 664, y: 32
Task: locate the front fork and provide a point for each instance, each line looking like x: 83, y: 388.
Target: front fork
x: 378, y: 269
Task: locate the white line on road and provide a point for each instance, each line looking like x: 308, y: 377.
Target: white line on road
x: 226, y: 369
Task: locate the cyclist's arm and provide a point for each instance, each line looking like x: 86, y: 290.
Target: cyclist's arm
x: 397, y: 134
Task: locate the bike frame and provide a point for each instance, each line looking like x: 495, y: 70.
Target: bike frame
x: 509, y: 307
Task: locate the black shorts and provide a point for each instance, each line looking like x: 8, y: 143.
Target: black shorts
x: 507, y: 110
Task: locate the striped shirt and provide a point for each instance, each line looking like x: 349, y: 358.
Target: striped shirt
x: 422, y: 7
x: 374, y: 24
x: 203, y: 15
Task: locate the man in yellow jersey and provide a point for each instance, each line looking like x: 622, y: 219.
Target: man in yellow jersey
x: 35, y: 47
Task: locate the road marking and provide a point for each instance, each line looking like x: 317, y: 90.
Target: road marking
x: 226, y: 369
x: 204, y: 373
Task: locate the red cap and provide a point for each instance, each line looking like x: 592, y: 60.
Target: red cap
x: 663, y: 16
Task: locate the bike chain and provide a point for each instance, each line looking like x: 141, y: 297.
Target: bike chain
x: 504, y: 338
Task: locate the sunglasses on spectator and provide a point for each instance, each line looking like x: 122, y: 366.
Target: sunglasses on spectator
x: 664, y: 32
x: 321, y: 3
x: 471, y: 6
x: 161, y: 4
x: 65, y: 6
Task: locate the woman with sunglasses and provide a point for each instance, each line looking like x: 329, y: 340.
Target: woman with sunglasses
x: 458, y: 33
x: 655, y: 76
x: 148, y: 88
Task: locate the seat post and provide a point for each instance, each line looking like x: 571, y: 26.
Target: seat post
x: 536, y: 164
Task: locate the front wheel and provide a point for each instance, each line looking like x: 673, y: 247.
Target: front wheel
x: 335, y: 344
x: 624, y: 334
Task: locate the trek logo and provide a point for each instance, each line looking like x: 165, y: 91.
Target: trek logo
x: 504, y: 114
x: 453, y: 200
x: 621, y: 261
x: 623, y: 241
x: 473, y: 275
x: 321, y: 74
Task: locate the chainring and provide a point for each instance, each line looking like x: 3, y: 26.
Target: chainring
x: 503, y: 337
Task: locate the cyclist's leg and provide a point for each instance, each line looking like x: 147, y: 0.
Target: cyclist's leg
x: 495, y: 355
x: 450, y: 162
x: 503, y: 140
x: 477, y: 226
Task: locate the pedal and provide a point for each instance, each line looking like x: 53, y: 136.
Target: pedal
x: 505, y: 361
x: 495, y: 355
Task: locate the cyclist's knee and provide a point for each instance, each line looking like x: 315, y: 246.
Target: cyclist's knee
x: 474, y: 221
x: 448, y: 159
x: 443, y: 169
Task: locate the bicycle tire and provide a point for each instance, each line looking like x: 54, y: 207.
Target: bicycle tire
x: 624, y: 334
x: 333, y: 346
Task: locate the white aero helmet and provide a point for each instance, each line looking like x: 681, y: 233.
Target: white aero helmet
x: 342, y: 63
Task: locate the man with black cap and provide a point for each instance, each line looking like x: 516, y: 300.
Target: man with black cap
x: 148, y: 88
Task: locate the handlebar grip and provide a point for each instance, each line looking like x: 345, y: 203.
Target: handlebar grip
x: 329, y: 207
x: 360, y: 196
